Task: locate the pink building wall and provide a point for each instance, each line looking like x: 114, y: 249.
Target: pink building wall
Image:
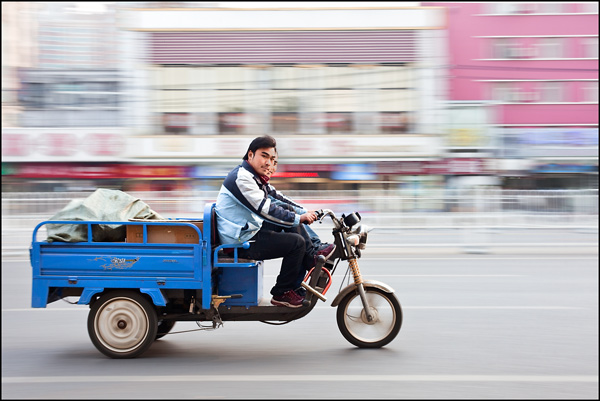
x: 467, y: 51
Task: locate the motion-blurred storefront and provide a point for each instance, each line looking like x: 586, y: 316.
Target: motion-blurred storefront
x: 340, y: 88
x: 549, y: 158
x: 354, y: 96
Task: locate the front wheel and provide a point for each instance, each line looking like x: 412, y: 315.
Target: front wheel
x: 122, y: 324
x: 386, y: 323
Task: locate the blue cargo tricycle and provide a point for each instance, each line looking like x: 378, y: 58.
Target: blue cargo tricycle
x: 176, y: 270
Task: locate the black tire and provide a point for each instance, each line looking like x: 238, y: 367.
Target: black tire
x: 353, y: 324
x: 164, y: 327
x: 122, y: 324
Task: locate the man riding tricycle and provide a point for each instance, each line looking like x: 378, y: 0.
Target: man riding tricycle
x: 138, y: 288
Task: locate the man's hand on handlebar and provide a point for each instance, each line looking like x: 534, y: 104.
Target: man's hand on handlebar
x: 308, y: 218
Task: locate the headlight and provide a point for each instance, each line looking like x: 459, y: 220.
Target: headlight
x: 353, y: 239
x: 363, y: 231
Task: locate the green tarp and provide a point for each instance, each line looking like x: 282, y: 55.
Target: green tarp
x: 102, y: 205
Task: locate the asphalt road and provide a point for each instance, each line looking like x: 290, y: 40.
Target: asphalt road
x: 476, y: 326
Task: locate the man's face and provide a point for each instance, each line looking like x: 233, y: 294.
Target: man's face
x: 262, y: 160
x: 273, y: 169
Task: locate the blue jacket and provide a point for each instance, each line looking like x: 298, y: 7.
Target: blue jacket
x: 280, y: 199
x: 243, y: 204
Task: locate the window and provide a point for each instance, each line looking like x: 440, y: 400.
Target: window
x: 550, y: 47
x: 509, y: 8
x: 588, y: 7
x: 506, y: 8
x: 314, y: 99
x: 590, y: 92
x: 504, y: 92
x: 176, y: 123
x: 502, y: 48
x: 590, y: 48
x: 551, y: 92
x: 33, y: 94
x: 550, y: 8
x: 284, y: 123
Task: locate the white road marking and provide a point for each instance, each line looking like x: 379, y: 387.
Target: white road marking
x: 432, y: 275
x: 515, y: 307
x: 449, y: 257
x: 302, y: 378
x: 482, y: 258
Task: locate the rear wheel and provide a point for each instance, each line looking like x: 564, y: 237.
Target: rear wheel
x: 354, y: 325
x: 122, y: 324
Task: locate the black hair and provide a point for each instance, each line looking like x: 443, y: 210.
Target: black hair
x: 264, y: 141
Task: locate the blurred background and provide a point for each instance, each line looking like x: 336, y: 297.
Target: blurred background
x: 424, y: 114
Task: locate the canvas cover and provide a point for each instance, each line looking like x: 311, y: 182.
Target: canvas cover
x: 102, y: 205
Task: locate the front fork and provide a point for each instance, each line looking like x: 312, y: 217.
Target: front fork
x: 358, y: 281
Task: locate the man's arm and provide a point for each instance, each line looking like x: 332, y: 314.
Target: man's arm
x: 281, y: 197
x: 244, y: 187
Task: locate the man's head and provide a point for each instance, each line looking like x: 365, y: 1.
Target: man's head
x: 261, y: 154
x: 273, y: 168
x: 264, y: 141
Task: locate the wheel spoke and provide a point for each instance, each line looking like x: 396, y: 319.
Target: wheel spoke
x: 359, y: 330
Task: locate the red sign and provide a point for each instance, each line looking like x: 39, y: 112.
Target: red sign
x: 15, y: 145
x: 83, y: 171
x: 45, y: 170
x: 58, y: 144
x: 101, y: 144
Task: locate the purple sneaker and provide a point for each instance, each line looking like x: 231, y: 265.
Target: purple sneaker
x: 325, y: 250
x: 290, y: 299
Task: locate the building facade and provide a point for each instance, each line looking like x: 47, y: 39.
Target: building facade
x: 19, y: 50
x: 354, y: 95
x: 535, y: 67
x: 390, y: 95
x: 340, y: 88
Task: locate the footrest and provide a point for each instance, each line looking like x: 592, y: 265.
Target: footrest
x: 313, y: 291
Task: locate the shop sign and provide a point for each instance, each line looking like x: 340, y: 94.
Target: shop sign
x: 104, y: 144
x: 357, y: 172
x: 564, y: 168
x: 210, y: 172
x: 156, y: 171
x: 44, y: 144
x: 468, y: 126
x: 85, y: 171
x: 558, y: 137
x: 57, y: 144
x: 48, y: 170
x: 309, y: 147
x: 556, y: 142
x: 456, y: 166
x: 307, y: 167
x: 8, y: 169
x: 15, y: 144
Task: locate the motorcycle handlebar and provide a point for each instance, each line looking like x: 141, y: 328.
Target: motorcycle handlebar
x: 321, y: 213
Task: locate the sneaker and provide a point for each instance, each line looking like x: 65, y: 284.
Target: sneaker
x: 325, y: 250
x: 290, y: 299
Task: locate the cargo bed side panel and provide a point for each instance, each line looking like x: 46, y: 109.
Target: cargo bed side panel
x: 92, y: 260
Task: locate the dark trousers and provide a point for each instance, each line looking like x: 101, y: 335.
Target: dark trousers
x: 272, y: 244
x: 310, y: 248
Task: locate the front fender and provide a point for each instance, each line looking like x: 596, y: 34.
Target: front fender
x: 366, y: 283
